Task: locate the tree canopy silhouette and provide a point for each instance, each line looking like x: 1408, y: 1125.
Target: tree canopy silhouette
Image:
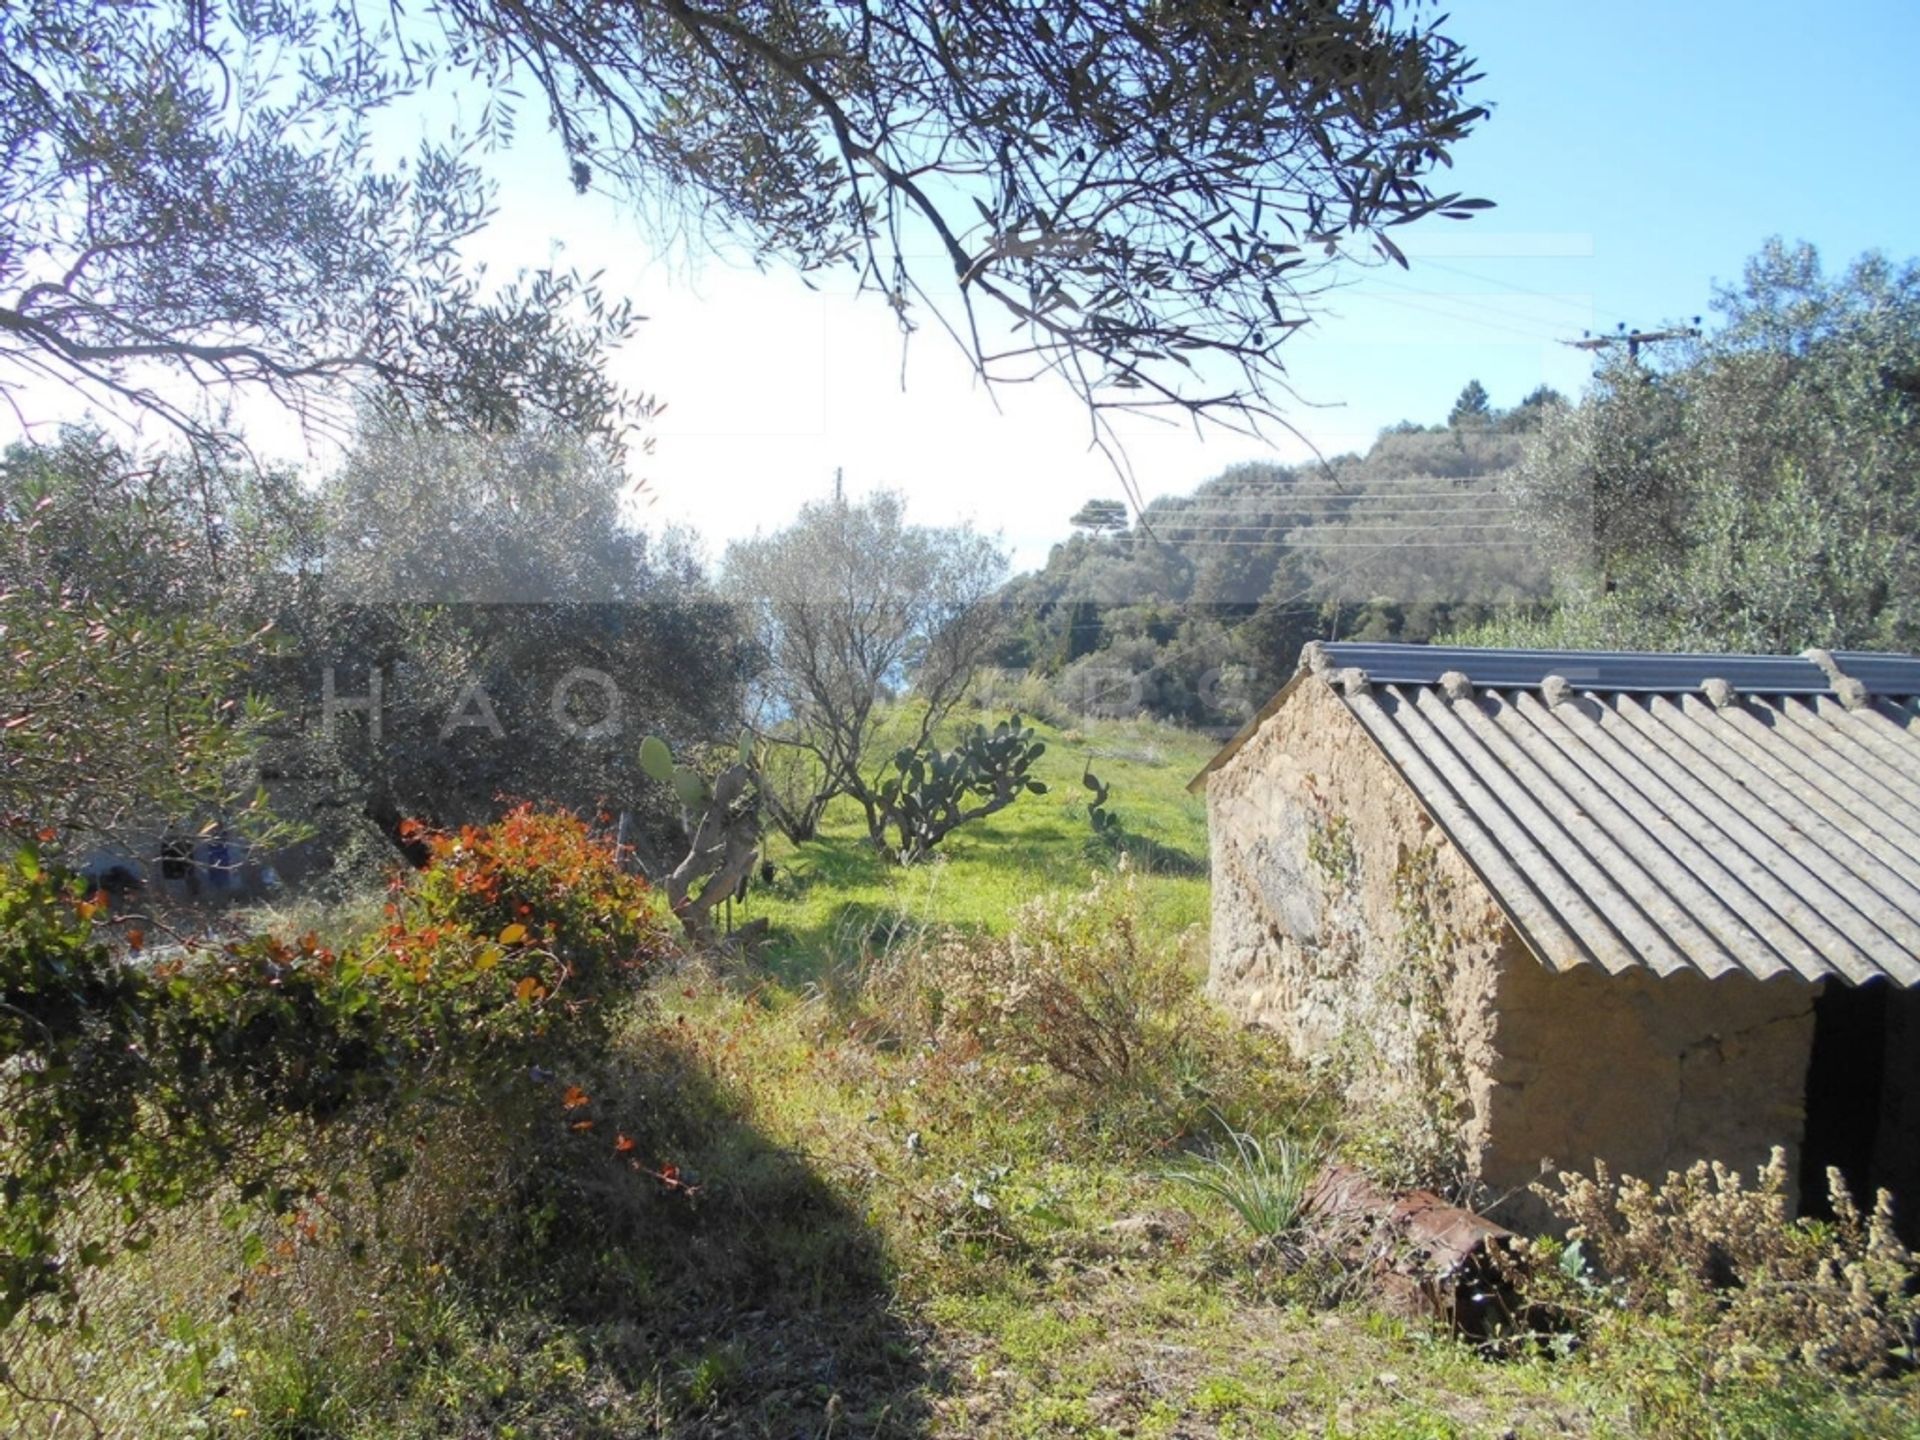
x: 1111, y: 193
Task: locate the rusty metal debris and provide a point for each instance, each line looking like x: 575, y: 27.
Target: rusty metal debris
x: 1425, y: 1255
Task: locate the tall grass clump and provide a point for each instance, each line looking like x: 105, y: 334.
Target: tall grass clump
x: 1264, y: 1183
x: 1081, y: 998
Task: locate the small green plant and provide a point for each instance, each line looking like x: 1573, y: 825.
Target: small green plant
x: 711, y: 1378
x: 1330, y: 848
x: 1420, y: 1133
x: 1105, y: 822
x: 1264, y: 1184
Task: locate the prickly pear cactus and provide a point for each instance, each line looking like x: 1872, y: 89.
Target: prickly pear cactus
x: 932, y: 792
x: 1106, y: 824
x: 722, y: 820
x: 656, y: 760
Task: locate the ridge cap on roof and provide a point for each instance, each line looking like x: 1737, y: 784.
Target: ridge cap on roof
x: 1853, y: 676
x: 1816, y: 672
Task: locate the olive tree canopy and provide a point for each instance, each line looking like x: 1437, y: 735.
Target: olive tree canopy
x: 1104, y: 190
x: 1750, y: 489
x: 852, y: 607
x: 1134, y: 198
x: 192, y: 210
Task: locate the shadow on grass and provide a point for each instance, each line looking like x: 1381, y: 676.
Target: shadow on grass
x: 666, y: 1270
x: 710, y: 1264
x: 1152, y: 857
x: 1036, y: 837
x: 834, y: 861
x: 627, y: 1255
x: 795, y: 955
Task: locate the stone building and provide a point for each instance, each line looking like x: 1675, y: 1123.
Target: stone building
x: 1566, y: 906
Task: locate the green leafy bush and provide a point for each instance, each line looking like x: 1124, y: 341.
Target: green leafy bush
x: 543, y: 870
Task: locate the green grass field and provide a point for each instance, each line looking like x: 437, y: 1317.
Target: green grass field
x: 834, y: 896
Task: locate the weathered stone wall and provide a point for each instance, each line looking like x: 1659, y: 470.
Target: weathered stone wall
x: 1344, y: 919
x: 1648, y: 1073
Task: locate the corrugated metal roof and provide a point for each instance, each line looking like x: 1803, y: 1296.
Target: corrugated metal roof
x: 1644, y: 814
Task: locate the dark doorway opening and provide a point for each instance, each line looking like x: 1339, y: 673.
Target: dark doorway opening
x: 1845, y: 1079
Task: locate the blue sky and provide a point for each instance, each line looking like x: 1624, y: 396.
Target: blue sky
x: 1637, y: 153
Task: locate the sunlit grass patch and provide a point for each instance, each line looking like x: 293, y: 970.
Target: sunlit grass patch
x: 834, y: 896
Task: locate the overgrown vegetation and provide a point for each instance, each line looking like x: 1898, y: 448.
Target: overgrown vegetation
x: 910, y: 1182
x: 1072, y: 986
x: 208, y: 644
x: 1728, y: 1262
x: 136, y: 1087
x: 945, y: 1138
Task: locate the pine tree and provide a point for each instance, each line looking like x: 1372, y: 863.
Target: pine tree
x: 1472, y: 408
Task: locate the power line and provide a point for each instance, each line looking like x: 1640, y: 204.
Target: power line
x: 1410, y: 485
x: 1477, y: 311
x: 1538, y: 337
x: 1295, y: 486
x: 1281, y: 519
x: 1281, y: 606
x: 1349, y: 545
x: 1634, y: 339
x: 1425, y: 262
x: 1348, y: 499
x: 1280, y: 504
x: 1276, y: 534
x: 1568, y: 300
x: 1392, y: 527
x: 1385, y: 510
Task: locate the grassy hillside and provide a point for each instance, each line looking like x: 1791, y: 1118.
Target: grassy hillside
x: 834, y: 897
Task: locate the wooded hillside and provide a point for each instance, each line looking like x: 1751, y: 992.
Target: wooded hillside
x: 1203, y: 602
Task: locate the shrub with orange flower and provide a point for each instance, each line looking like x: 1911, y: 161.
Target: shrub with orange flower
x: 160, y: 1082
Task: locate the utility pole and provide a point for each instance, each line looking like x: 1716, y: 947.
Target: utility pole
x: 1634, y: 339
x: 838, y: 497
